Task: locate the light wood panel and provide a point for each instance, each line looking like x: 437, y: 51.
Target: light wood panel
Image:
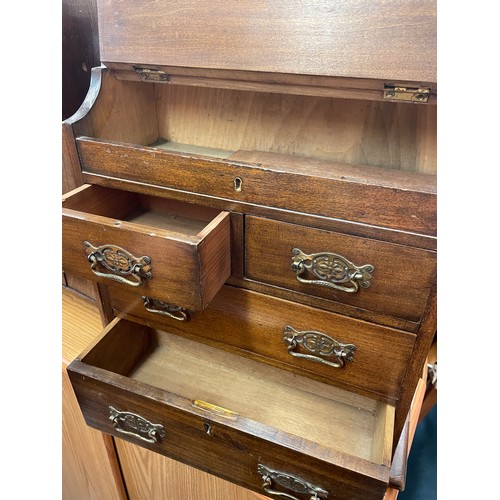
x: 121, y: 110
x: 150, y: 476
x: 390, y: 135
x: 297, y: 405
x: 89, y: 465
x: 81, y: 324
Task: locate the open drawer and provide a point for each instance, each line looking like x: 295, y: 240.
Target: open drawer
x: 175, y: 251
x: 252, y: 424
x: 355, y: 355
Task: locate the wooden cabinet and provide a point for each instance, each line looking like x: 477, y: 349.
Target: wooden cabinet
x: 95, y: 465
x: 261, y: 225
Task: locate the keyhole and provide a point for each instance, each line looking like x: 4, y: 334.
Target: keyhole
x: 237, y: 184
x: 208, y: 428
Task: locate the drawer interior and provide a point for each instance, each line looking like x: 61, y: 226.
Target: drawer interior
x: 218, y: 122
x: 159, y: 213
x: 329, y: 418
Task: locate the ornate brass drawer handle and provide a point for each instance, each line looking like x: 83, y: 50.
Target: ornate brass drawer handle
x: 320, y: 345
x: 141, y: 428
x: 332, y: 271
x: 120, y: 262
x: 170, y: 310
x: 290, y: 482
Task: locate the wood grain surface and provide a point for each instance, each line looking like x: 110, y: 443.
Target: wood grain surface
x: 150, y: 476
x: 238, y: 441
x: 187, y: 270
x: 401, y: 282
x: 80, y: 285
x: 252, y: 324
x: 90, y: 468
x: 388, y: 135
x: 294, y: 186
x: 274, y: 83
x: 359, y: 132
x: 296, y: 405
x: 382, y: 40
x: 122, y: 110
x: 81, y: 324
x: 71, y: 171
x: 90, y: 461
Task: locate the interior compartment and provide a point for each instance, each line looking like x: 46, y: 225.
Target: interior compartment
x: 159, y: 213
x: 336, y: 420
x: 218, y: 122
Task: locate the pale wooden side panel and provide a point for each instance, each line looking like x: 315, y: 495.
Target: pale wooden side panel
x: 90, y: 467
x: 150, y: 476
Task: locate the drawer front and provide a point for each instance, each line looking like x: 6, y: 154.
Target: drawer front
x: 360, y: 273
x: 410, y: 207
x: 148, y: 260
x: 290, y: 336
x: 208, y: 444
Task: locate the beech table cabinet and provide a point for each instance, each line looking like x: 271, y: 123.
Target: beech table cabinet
x: 257, y: 214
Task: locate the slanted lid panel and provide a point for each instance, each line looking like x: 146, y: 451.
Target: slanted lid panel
x: 377, y: 39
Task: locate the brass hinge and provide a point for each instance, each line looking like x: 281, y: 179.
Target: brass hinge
x: 152, y: 74
x: 406, y: 94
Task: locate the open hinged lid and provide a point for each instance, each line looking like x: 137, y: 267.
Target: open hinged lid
x: 349, y: 45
